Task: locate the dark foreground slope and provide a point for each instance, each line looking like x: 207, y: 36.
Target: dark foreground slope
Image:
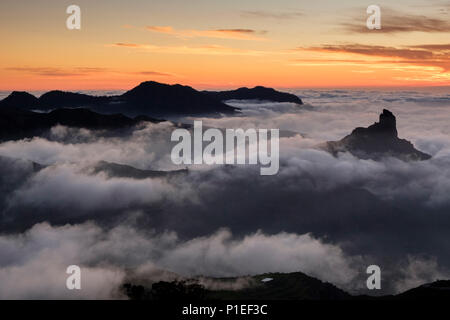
x: 377, y: 141
x: 280, y: 286
x: 438, y: 290
x: 256, y: 93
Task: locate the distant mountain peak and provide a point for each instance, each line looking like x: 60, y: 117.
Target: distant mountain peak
x: 377, y: 141
x: 150, y: 84
x: 21, y: 94
x: 175, y: 99
x: 150, y: 87
x: 256, y: 93
x: 159, y: 84
x: 20, y: 98
x: 387, y: 125
x: 388, y: 122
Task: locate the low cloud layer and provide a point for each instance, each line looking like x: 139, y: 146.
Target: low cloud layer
x: 327, y: 216
x: 33, y: 265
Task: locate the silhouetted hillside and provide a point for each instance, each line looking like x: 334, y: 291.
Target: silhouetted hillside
x: 149, y: 98
x: 273, y: 286
x: 377, y: 141
x: 256, y: 93
x: 20, y: 99
x: 438, y: 290
x: 16, y: 123
x: 124, y: 171
x: 61, y: 99
x: 282, y: 286
x: 173, y: 100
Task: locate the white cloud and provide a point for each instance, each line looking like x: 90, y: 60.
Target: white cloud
x: 33, y: 264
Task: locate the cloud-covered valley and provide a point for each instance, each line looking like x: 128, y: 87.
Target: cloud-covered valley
x: 329, y: 217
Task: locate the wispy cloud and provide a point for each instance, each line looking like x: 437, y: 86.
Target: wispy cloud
x: 436, y: 47
x: 128, y: 45
x: 372, y: 50
x: 155, y: 73
x: 434, y: 55
x: 206, y: 49
x: 272, y: 15
x: 393, y: 21
x: 237, y: 34
x: 57, y: 72
x: 81, y: 71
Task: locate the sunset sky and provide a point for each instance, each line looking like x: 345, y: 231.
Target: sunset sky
x: 208, y: 43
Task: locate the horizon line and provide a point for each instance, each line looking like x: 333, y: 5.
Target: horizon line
x: 206, y: 87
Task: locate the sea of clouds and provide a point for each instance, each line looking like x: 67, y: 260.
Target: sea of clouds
x: 329, y: 217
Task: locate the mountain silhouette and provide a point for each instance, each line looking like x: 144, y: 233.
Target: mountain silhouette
x: 438, y: 290
x: 20, y: 99
x: 272, y: 286
x: 149, y: 98
x: 164, y: 99
x: 16, y: 123
x: 377, y: 141
x: 282, y: 286
x: 115, y: 170
x: 256, y: 93
x: 61, y: 99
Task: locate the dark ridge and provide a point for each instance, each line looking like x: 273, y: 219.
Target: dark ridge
x: 283, y: 286
x: 387, y: 126
x: 172, y: 99
x: 149, y: 98
x: 61, y: 99
x: 438, y: 290
x: 256, y: 93
x: 123, y: 171
x: 20, y: 99
x: 16, y: 123
x: 377, y: 141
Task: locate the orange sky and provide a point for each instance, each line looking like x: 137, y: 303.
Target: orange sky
x: 222, y: 44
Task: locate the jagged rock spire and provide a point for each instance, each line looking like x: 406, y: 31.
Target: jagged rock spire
x: 377, y: 141
x: 388, y: 122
